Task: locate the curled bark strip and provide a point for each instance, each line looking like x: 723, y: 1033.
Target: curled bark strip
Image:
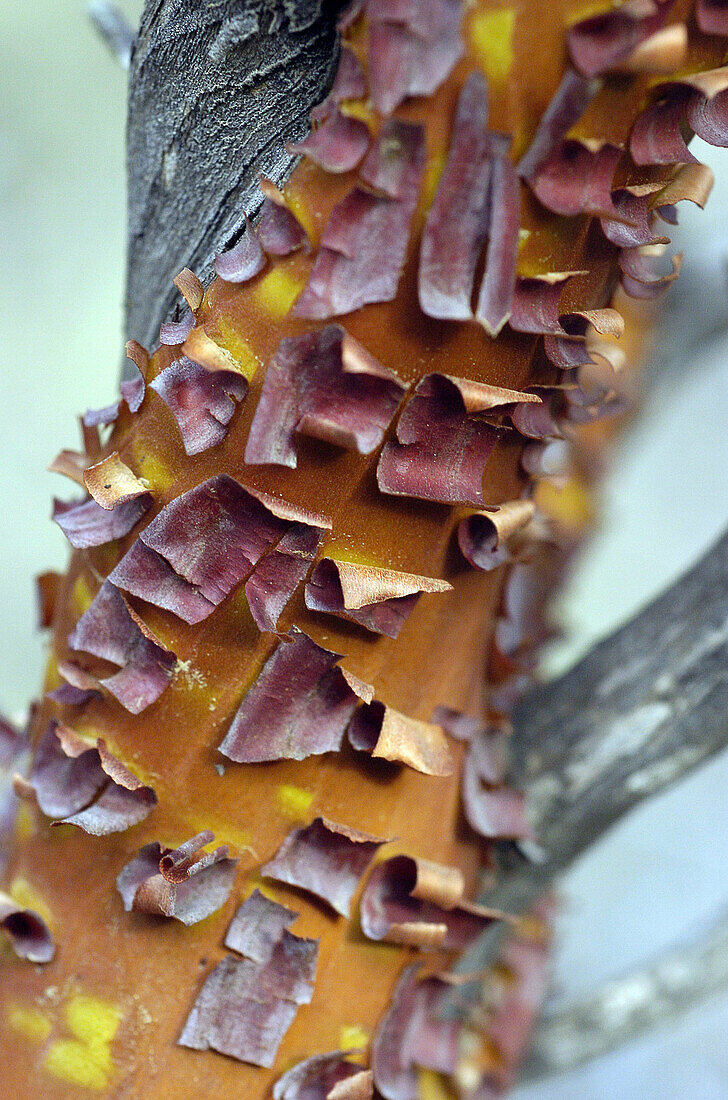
x: 325, y: 859
x: 246, y: 1005
x: 80, y: 783
x: 279, y: 230
x: 575, y: 179
x: 201, y: 401
x: 499, y: 277
x: 190, y: 288
x: 657, y: 135
x: 28, y: 933
x: 691, y: 182
x: 442, y: 444
x: 418, y: 903
x: 325, y: 385
x: 204, y: 543
x: 176, y: 330
x: 411, y: 1034
x: 491, y: 809
x: 665, y: 51
x: 244, y: 260
x: 349, y: 83
x: 324, y: 1077
x: 386, y: 733
x: 299, y: 706
x: 457, y: 221
x: 412, y: 48
x: 337, y: 144
x: 606, y: 41
x: 535, y: 306
x: 86, y: 523
x: 378, y: 599
x: 111, y: 630
x: 642, y: 276
x: 183, y: 883
x: 566, y: 107
x: 364, y: 244
x: 489, y: 539
x: 111, y: 482
x: 712, y: 16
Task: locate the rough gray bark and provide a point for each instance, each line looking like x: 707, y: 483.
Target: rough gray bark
x: 216, y: 89
x: 644, y: 707
x: 627, y: 1007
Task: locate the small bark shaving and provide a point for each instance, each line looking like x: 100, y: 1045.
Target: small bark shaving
x: 325, y: 859
x: 184, y: 883
x: 364, y: 245
x: 299, y: 706
x: 204, y: 543
x: 324, y: 1077
x: 442, y: 443
x: 385, y: 733
x: 604, y: 42
x: 27, y: 932
x: 412, y: 48
x: 111, y: 483
x: 243, y: 261
x: 337, y: 144
x: 418, y: 903
x: 378, y: 599
x: 87, y: 524
x: 327, y: 386
x: 109, y: 629
x: 202, y: 401
x: 84, y: 784
x: 490, y: 539
x: 279, y: 230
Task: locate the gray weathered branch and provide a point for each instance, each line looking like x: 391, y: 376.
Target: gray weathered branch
x: 627, y: 1007
x: 643, y: 708
x: 216, y: 89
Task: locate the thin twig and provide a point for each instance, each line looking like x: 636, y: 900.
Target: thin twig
x: 114, y: 28
x: 625, y: 1008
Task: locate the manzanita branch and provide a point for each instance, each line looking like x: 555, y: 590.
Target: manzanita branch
x: 215, y: 93
x: 626, y: 1007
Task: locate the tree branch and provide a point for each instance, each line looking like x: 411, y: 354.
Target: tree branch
x: 644, y: 707
x: 216, y: 89
x: 622, y: 1009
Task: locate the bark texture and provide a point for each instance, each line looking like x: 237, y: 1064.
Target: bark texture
x: 216, y: 90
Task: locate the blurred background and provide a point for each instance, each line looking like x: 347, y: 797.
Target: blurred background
x: 656, y: 877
